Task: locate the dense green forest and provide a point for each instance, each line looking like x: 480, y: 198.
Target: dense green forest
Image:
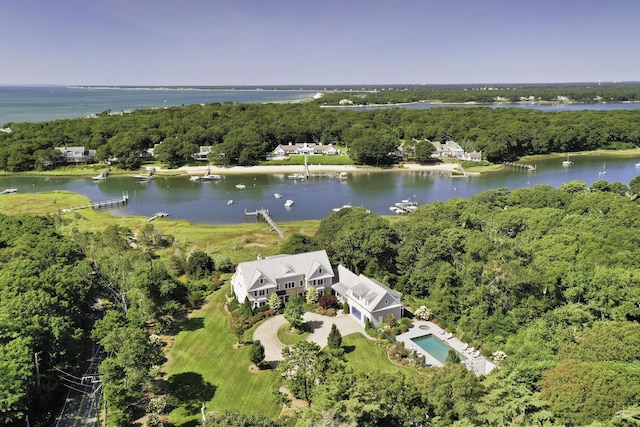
x: 550, y: 277
x: 244, y: 134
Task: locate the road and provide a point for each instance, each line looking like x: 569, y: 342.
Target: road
x: 85, y: 394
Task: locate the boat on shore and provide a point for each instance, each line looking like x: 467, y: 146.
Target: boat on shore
x: 347, y: 206
x: 9, y: 191
x: 288, y: 203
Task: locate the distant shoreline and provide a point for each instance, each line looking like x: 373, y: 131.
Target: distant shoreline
x: 286, y: 169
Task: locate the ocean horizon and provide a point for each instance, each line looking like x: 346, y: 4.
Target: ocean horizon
x: 42, y: 103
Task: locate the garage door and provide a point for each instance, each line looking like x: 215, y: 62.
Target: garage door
x: 356, y: 313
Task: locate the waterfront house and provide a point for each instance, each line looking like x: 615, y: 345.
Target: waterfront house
x: 203, y: 152
x: 77, y: 154
x: 283, y: 275
x: 367, y: 298
x: 309, y: 148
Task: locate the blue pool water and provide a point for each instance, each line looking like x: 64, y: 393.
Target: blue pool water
x: 435, y: 347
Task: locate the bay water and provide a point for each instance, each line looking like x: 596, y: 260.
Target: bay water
x: 207, y: 202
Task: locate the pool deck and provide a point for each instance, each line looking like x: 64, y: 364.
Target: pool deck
x: 475, y: 362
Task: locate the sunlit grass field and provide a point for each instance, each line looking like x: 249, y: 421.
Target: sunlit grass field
x: 204, y: 357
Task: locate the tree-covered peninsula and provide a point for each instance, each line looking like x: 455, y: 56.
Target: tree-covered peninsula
x: 244, y: 134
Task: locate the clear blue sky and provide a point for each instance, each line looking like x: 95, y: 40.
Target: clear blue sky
x: 263, y: 42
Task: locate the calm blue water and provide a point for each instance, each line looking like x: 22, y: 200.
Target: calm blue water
x: 45, y: 103
x: 206, y: 202
x: 434, y: 347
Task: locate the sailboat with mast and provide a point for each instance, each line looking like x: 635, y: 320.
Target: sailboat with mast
x: 567, y: 162
x: 603, y: 171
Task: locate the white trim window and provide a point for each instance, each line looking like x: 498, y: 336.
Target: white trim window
x: 289, y: 285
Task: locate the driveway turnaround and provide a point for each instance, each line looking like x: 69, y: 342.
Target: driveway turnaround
x: 320, y: 325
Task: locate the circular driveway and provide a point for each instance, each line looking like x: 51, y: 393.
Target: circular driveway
x: 320, y: 326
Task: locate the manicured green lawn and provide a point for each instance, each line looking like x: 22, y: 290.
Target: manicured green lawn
x: 288, y: 338
x: 363, y: 355
x: 203, y: 366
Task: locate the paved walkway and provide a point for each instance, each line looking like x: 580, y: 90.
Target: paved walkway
x: 320, y: 325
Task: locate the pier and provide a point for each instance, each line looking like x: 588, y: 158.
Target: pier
x: 157, y: 215
x: 102, y: 175
x: 526, y: 166
x: 264, y: 213
x: 101, y: 205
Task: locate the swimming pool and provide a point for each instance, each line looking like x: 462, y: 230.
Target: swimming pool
x: 435, y: 347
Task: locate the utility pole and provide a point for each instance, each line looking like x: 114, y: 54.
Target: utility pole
x: 36, y: 358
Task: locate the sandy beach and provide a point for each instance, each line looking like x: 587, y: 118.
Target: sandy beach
x: 315, y: 169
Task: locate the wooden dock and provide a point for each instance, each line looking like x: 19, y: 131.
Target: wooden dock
x: 157, y: 215
x: 264, y: 214
x: 526, y: 166
x: 101, y: 205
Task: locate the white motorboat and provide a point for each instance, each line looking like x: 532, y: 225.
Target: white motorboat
x: 296, y: 176
x: 229, y: 202
x: 240, y: 186
x: 637, y: 165
x: 288, y: 203
x: 194, y: 178
x: 9, y: 191
x: 277, y: 196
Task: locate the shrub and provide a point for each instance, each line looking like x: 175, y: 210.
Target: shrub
x: 423, y: 313
x: 156, y: 405
x: 328, y: 301
x: 257, y: 353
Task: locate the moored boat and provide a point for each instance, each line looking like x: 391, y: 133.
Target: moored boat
x: 240, y: 186
x: 296, y: 176
x: 288, y: 203
x: 277, y: 195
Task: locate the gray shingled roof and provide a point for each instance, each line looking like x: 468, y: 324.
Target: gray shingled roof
x: 280, y: 266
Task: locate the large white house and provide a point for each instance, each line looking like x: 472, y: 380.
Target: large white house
x: 283, y: 275
x: 367, y: 298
